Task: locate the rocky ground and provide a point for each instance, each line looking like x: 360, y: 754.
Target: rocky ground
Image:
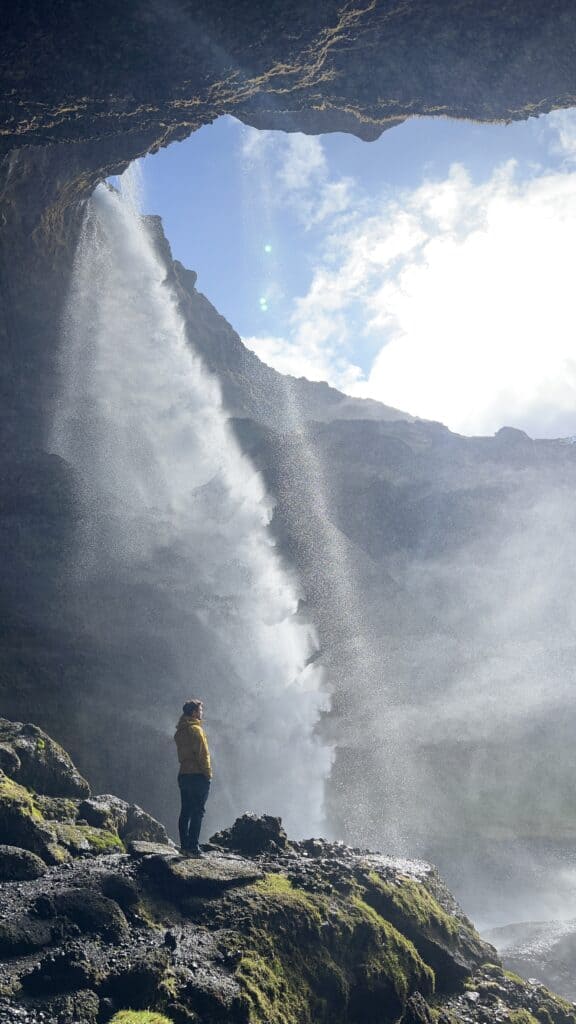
x: 104, y: 920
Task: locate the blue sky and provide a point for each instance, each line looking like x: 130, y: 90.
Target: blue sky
x: 431, y: 269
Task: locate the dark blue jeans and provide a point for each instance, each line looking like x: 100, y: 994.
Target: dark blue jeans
x: 194, y: 791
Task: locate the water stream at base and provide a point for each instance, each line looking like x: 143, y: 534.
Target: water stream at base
x: 172, y: 555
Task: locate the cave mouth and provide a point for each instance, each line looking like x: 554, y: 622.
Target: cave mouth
x: 421, y: 270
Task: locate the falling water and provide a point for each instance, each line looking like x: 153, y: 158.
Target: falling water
x: 173, y: 547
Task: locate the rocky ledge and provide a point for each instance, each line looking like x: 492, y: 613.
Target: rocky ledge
x: 103, y: 920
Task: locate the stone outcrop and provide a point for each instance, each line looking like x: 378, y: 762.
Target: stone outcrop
x: 303, y: 932
x: 42, y: 816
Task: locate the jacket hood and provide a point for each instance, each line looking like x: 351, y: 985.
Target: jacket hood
x: 185, y: 721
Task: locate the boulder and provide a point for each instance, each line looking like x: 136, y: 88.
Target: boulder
x: 142, y: 826
x: 23, y: 935
x: 73, y: 1008
x: 121, y: 889
x: 105, y: 811
x: 81, y: 840
x: 417, y: 1011
x: 136, y: 983
x: 131, y: 822
x: 140, y: 848
x: 39, y: 762
x: 9, y: 760
x: 17, y: 865
x: 199, y: 876
x: 252, y: 835
x: 60, y: 971
x: 92, y: 913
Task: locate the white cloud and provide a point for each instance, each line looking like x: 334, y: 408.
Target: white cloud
x: 303, y: 359
x: 463, y: 289
x: 303, y: 162
x: 291, y: 171
x: 563, y: 125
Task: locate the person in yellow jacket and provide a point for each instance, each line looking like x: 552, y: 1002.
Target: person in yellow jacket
x: 194, y: 775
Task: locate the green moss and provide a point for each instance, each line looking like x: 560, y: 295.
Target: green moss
x: 306, y: 956
x: 19, y: 798
x: 555, y: 1008
x: 280, y: 888
x: 412, y: 901
x: 139, y: 1017
x: 86, y: 838
x: 521, y: 1017
x: 398, y: 956
x: 168, y: 987
x: 495, y: 970
x: 57, y: 808
x: 515, y: 978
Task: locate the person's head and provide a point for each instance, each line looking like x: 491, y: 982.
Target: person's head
x: 193, y: 708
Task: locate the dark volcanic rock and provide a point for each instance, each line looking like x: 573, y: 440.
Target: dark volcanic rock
x: 141, y: 848
x: 39, y: 762
x: 21, y: 824
x: 417, y: 1011
x: 92, y: 913
x: 131, y: 822
x: 64, y: 971
x: 252, y: 835
x: 18, y: 865
x: 199, y: 876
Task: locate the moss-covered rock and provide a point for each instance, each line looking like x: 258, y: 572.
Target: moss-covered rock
x: 43, y: 765
x: 80, y: 840
x: 22, y: 823
x: 450, y: 944
x: 57, y: 808
x: 307, y: 957
x: 130, y: 821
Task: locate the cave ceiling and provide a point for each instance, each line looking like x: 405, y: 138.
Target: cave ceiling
x: 117, y: 80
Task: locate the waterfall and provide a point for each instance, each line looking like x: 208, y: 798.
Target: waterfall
x: 174, y: 571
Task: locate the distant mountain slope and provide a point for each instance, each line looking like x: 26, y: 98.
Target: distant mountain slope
x: 250, y: 387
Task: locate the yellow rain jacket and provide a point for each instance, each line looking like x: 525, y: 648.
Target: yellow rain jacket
x: 192, y: 747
